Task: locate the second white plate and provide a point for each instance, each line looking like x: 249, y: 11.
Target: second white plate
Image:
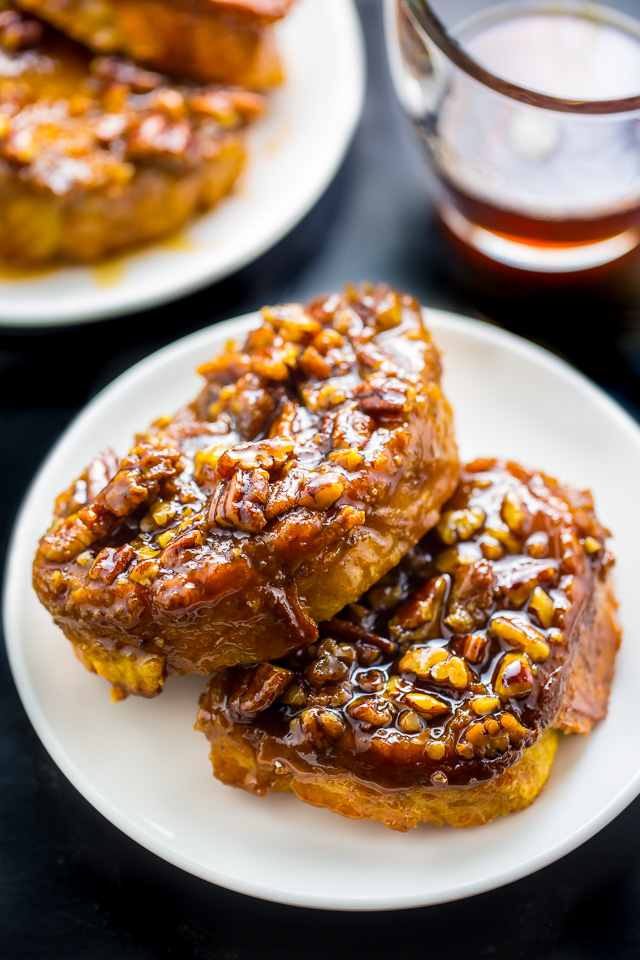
x: 294, y: 153
x: 141, y: 764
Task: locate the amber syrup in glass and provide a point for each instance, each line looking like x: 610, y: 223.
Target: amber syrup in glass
x: 537, y: 189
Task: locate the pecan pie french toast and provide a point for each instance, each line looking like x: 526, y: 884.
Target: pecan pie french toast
x: 97, y: 154
x: 438, y: 696
x: 228, y: 41
x: 318, y: 452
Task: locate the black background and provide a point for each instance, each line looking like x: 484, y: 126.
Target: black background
x: 71, y: 885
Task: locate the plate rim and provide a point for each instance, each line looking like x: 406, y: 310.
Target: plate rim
x: 437, y: 318
x: 48, y: 315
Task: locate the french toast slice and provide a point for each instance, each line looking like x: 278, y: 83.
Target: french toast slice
x: 318, y: 451
x: 438, y: 697
x: 98, y: 155
x: 224, y: 41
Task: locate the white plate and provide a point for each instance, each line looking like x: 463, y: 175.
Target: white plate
x: 294, y: 153
x: 141, y: 764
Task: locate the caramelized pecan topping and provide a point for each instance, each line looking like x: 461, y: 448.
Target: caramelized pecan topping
x: 244, y: 509
x: 70, y: 121
x: 449, y: 667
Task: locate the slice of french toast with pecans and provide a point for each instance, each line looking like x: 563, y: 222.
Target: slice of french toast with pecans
x: 438, y: 696
x: 318, y: 452
x: 97, y: 154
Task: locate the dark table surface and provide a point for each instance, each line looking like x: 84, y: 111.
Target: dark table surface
x: 71, y: 885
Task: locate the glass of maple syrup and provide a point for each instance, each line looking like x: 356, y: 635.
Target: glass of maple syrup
x: 529, y: 112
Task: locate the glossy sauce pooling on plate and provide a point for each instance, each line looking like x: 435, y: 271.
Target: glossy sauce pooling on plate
x: 455, y: 662
x: 317, y: 453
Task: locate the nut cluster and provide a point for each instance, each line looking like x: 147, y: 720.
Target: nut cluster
x: 450, y: 665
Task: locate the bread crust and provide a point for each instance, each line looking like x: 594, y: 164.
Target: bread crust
x: 226, y: 41
x: 438, y: 695
x: 316, y: 454
x: 97, y: 155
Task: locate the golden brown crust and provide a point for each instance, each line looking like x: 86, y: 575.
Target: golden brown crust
x: 97, y: 154
x: 500, y: 625
x: 227, y: 41
x: 586, y: 697
x: 234, y: 764
x: 315, y: 455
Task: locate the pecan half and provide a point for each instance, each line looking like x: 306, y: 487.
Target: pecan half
x: 258, y: 688
x: 384, y: 397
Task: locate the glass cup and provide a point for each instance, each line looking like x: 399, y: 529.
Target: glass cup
x: 529, y: 113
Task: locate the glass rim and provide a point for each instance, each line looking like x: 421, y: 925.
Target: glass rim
x: 431, y: 25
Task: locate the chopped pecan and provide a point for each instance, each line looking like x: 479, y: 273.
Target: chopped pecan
x: 214, y: 104
x: 252, y: 406
x: 515, y: 515
x: 276, y: 362
x: 125, y: 493
x: 514, y: 677
x: 239, y: 501
x: 335, y: 695
x: 329, y: 665
x: 518, y: 632
x: 350, y: 459
x: 542, y: 605
x: 491, y: 736
x: 384, y: 397
x: 268, y: 455
x: 111, y: 562
x: 420, y: 660
x: 537, y: 545
x: 474, y: 647
x: 420, y: 614
x: 158, y: 137
x: 345, y: 630
x: 388, y: 309
x: 453, y: 672
x: 409, y: 721
x: 460, y: 525
x: 518, y: 580
x: 182, y: 548
x: 472, y: 595
x: 373, y: 711
x: 168, y: 101
x: 294, y: 695
x: 592, y: 545
x: 372, y: 357
x: 371, y: 681
x: 481, y: 706
x: 144, y: 572
x: 436, y: 750
x: 314, y: 365
x: 257, y: 689
x: 426, y: 705
x: 323, y: 491
x: 293, y: 322
x: 320, y: 725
